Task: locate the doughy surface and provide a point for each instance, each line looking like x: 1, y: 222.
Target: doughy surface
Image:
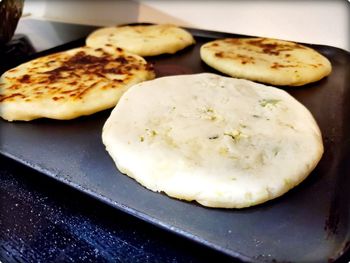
x: 144, y: 40
x: 219, y: 141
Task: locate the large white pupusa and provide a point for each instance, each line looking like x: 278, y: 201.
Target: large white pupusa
x: 220, y: 141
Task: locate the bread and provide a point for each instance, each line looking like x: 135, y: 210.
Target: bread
x: 219, y: 141
x: 266, y: 60
x: 144, y: 40
x: 69, y: 84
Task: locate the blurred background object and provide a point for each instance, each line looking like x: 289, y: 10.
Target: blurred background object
x: 10, y: 12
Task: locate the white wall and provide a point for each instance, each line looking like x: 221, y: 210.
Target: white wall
x: 322, y: 22
x: 103, y: 12
x: 35, y: 8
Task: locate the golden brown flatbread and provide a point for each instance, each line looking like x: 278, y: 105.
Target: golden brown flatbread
x: 266, y: 60
x: 144, y: 40
x: 69, y: 84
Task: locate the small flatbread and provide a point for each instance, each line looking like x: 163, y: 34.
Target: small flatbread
x: 266, y: 60
x: 220, y: 141
x: 144, y: 40
x: 69, y: 84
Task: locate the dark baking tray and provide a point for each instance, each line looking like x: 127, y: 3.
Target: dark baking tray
x: 308, y: 224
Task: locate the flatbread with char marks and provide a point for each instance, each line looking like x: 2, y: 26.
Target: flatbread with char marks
x: 69, y: 84
x: 266, y: 60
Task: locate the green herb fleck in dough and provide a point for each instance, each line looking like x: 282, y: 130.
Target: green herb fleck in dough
x: 151, y: 133
x: 209, y: 114
x: 268, y: 102
x: 276, y: 151
x: 235, y: 135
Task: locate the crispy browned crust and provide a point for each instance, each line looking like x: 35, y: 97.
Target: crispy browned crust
x: 70, y: 84
x: 266, y: 60
x: 70, y: 71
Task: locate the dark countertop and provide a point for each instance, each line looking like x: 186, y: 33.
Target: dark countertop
x: 42, y: 220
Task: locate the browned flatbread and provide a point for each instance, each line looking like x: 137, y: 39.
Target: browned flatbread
x: 266, y: 60
x: 143, y: 40
x: 69, y: 84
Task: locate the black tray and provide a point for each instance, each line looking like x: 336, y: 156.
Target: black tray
x: 308, y: 224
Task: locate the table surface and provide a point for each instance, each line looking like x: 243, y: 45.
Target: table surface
x: 42, y: 220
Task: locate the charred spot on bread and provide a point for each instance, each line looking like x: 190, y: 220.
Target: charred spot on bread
x: 25, y: 79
